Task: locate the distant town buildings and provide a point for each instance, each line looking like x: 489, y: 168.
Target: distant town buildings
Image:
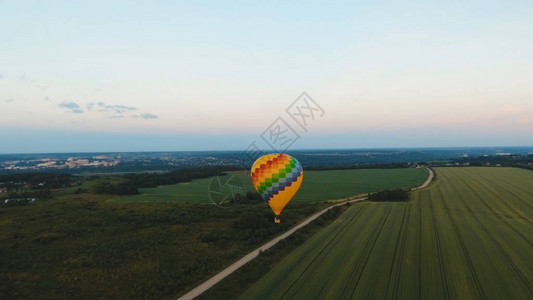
x: 131, y: 162
x: 70, y: 163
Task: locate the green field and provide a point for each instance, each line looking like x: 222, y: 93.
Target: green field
x: 467, y: 236
x: 317, y: 186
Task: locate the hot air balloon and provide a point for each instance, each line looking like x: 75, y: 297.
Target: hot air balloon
x: 277, y: 177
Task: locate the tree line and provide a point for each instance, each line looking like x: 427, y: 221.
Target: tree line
x: 357, y: 166
x: 131, y: 183
x: 35, y: 180
x: 396, y: 195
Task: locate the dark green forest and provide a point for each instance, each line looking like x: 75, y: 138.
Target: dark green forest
x: 90, y: 249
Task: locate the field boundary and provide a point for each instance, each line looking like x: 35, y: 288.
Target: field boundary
x: 250, y: 256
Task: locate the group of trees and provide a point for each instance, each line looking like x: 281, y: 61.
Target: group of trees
x: 35, y: 180
x: 134, y: 181
x: 357, y: 166
x: 23, y: 198
x: 396, y: 195
x: 512, y: 160
x: 122, y: 188
x: 250, y: 198
x: 26, y: 187
x: 147, y: 180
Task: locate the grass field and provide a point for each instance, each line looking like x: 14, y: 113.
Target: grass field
x: 317, y: 186
x: 467, y: 236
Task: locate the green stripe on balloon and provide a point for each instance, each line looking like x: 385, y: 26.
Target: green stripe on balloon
x: 275, y: 177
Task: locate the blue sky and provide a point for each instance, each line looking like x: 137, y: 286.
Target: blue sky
x: 202, y: 75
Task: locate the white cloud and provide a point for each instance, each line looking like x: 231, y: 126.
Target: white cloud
x: 72, y: 107
x: 114, y: 108
x: 149, y: 116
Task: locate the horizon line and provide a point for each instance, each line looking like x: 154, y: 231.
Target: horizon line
x: 288, y: 150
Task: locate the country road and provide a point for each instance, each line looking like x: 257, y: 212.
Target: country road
x: 250, y: 256
x: 427, y: 182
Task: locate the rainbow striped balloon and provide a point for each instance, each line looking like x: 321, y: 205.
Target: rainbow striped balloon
x: 277, y: 177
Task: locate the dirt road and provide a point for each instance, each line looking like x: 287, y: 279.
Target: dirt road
x: 427, y: 182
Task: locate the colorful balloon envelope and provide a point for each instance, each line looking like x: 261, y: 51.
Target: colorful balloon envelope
x: 277, y: 177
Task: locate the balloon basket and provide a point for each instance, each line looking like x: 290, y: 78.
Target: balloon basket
x: 277, y: 220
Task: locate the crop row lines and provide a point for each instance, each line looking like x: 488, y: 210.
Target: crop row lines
x: 369, y: 252
x: 440, y: 255
x: 398, y: 254
x: 502, y: 219
x: 493, y: 239
x: 315, y: 262
x: 463, y: 247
